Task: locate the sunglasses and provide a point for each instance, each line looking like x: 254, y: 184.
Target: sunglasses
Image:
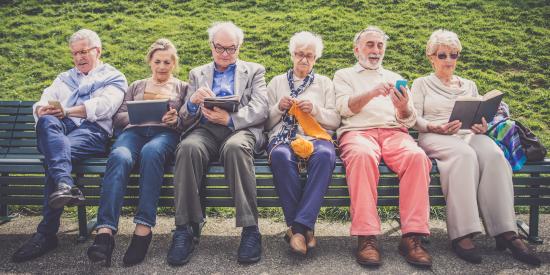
x: 443, y: 56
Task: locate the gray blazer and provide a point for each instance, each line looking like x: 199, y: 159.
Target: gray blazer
x: 249, y: 84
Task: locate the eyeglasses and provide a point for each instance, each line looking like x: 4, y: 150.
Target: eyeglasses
x: 220, y: 49
x: 301, y: 55
x: 83, y: 52
x: 443, y: 56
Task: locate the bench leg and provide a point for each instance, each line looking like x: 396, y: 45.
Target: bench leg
x: 534, y: 225
x: 82, y: 225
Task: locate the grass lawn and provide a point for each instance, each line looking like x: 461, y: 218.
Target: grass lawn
x: 506, y: 43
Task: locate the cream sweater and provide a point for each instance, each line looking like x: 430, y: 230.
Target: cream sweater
x: 321, y: 95
x: 379, y: 112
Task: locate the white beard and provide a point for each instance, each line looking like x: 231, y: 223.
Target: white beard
x: 364, y: 61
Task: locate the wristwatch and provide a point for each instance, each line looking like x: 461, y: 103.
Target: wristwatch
x: 67, y: 113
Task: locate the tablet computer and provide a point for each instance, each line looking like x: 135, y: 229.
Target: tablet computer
x: 147, y: 111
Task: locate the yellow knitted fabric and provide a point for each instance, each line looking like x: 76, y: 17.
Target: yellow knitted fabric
x: 301, y: 146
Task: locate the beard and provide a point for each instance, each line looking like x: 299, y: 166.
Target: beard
x: 367, y: 63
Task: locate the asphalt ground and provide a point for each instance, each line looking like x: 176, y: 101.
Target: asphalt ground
x: 217, y: 251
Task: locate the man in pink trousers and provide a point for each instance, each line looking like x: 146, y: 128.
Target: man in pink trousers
x: 375, y: 118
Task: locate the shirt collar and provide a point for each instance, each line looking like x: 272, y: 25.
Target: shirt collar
x: 229, y: 68
x: 358, y: 68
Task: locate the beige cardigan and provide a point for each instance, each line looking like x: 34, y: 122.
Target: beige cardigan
x: 321, y: 95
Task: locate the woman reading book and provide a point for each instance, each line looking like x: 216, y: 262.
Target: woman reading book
x: 151, y: 146
x: 475, y: 175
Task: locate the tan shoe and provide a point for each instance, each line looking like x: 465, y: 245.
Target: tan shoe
x: 411, y: 248
x: 298, y: 244
x: 310, y: 238
x: 367, y: 251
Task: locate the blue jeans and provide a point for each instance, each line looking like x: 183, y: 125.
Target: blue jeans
x: 302, y: 203
x: 153, y: 147
x: 63, y: 143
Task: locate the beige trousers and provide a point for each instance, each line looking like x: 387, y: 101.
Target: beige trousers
x: 475, y: 178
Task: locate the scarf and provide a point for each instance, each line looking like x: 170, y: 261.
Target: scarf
x: 104, y: 75
x: 288, y: 130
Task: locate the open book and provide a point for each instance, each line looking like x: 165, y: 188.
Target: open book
x: 229, y: 103
x: 470, y: 110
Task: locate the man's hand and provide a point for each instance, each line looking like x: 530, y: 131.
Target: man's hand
x: 49, y: 110
x: 285, y: 103
x: 382, y: 89
x: 400, y: 101
x: 199, y: 95
x: 480, y: 128
x: 218, y: 115
x: 449, y: 128
x: 305, y: 105
x: 171, y: 117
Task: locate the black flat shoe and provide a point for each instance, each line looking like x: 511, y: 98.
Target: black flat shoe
x: 471, y: 255
x: 137, y: 249
x: 38, y: 245
x: 522, y: 255
x: 65, y: 195
x: 102, y: 249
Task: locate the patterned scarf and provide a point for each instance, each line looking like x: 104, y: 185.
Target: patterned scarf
x: 290, y: 125
x: 104, y: 75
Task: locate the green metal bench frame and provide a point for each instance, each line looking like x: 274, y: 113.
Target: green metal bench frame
x: 22, y: 178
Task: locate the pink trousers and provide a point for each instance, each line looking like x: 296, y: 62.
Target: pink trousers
x: 361, y: 154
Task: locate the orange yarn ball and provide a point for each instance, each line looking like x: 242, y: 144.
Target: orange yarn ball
x: 302, y: 147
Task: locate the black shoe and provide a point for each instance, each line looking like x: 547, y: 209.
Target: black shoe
x: 65, y: 194
x: 471, y: 255
x: 250, y: 249
x: 137, y: 249
x: 182, y: 246
x: 102, y: 248
x: 522, y: 255
x: 38, y: 245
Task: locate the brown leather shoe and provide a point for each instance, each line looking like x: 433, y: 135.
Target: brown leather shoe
x: 367, y: 251
x: 310, y: 239
x: 298, y: 244
x: 411, y: 248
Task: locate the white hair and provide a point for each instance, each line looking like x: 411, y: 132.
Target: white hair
x: 370, y: 29
x: 226, y: 26
x: 91, y: 36
x: 305, y: 39
x: 442, y: 37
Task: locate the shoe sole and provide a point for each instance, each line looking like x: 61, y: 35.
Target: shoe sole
x: 183, y: 262
x: 95, y: 256
x: 249, y: 260
x: 370, y: 264
x: 60, y: 201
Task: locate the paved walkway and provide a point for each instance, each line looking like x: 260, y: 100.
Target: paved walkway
x: 216, y: 253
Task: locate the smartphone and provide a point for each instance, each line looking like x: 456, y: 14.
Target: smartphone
x: 400, y: 83
x: 56, y: 104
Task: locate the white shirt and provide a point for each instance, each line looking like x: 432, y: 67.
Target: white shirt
x: 100, y: 108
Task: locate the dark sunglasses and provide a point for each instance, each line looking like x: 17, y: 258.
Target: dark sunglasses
x: 443, y: 56
x: 220, y: 49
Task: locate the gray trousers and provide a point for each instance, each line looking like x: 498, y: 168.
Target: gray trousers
x: 475, y: 177
x: 193, y: 154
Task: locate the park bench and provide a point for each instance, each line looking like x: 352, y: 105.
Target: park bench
x: 22, y: 178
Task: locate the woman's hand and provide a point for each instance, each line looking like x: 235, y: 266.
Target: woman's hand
x: 285, y: 103
x: 449, y: 128
x: 480, y: 128
x: 306, y: 106
x: 171, y: 117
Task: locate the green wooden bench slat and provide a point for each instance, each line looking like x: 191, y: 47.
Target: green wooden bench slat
x: 8, y: 110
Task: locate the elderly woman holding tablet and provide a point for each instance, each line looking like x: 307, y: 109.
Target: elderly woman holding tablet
x: 475, y: 175
x: 150, y: 145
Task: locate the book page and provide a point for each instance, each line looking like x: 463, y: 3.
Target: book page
x: 492, y: 94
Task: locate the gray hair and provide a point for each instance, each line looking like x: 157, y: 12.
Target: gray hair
x: 306, y: 39
x: 227, y: 26
x: 163, y: 44
x: 442, y: 37
x: 91, y: 36
x: 370, y: 29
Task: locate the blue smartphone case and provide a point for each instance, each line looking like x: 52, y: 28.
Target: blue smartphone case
x: 400, y: 83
